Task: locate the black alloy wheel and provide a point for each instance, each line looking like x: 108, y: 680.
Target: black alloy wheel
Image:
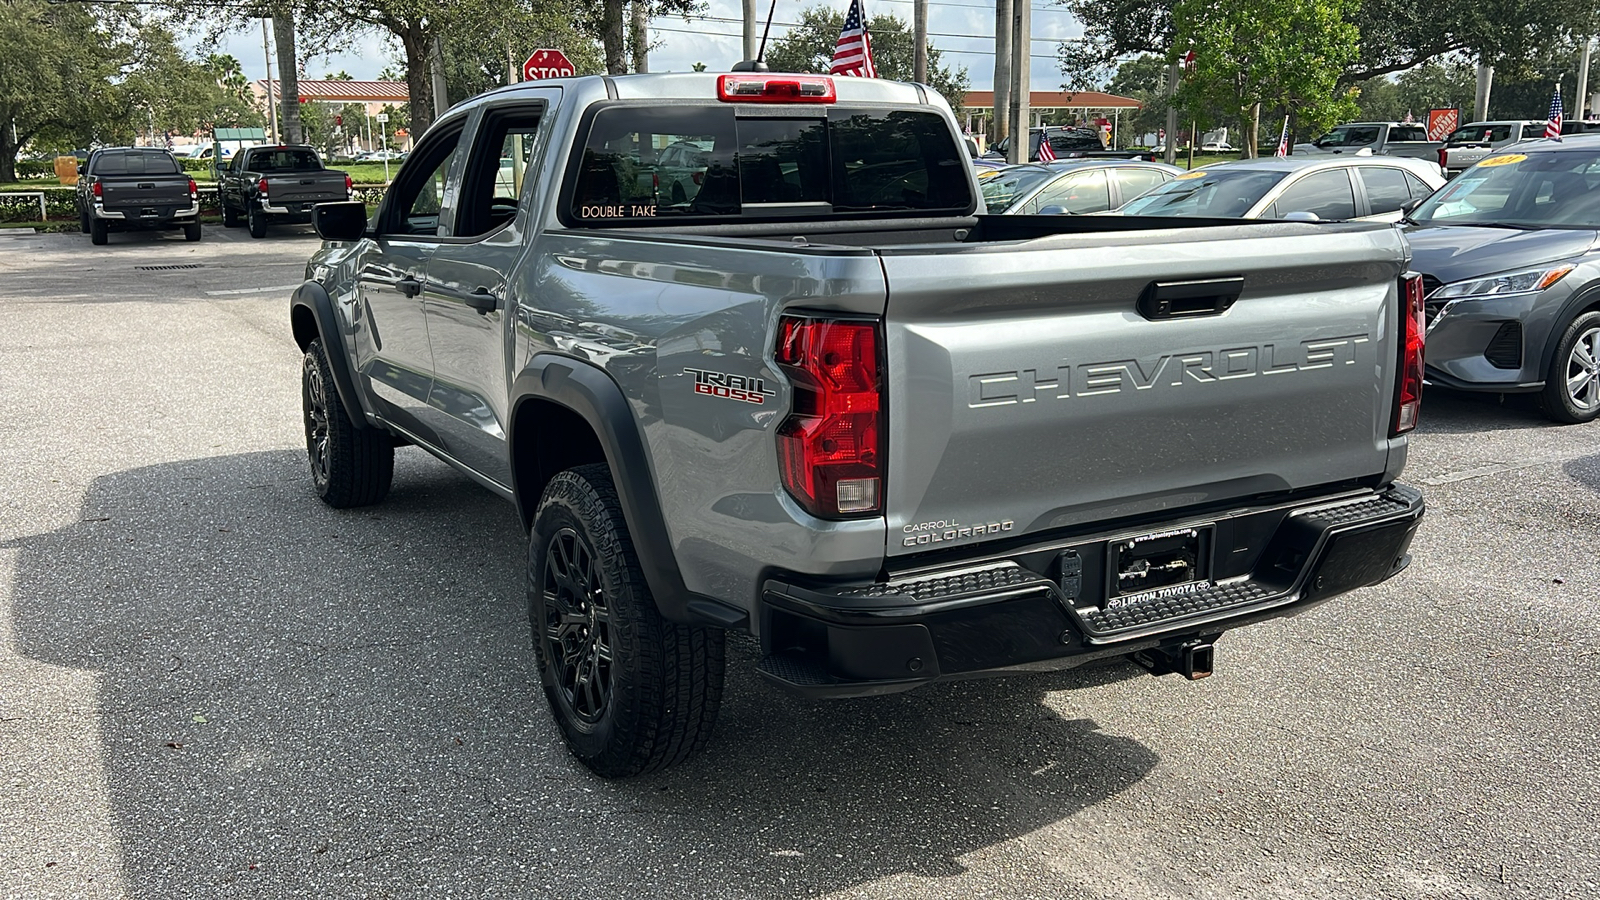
x: 314, y: 397
x: 350, y: 465
x: 577, y: 626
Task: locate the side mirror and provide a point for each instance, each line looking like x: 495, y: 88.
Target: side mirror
x: 81, y: 168
x: 342, y: 222
x: 1055, y: 211
x: 1301, y: 216
x: 1410, y: 206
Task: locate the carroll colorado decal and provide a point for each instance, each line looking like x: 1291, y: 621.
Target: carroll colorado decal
x: 945, y: 530
x: 732, y: 387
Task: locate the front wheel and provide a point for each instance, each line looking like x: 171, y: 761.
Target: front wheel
x: 350, y: 466
x: 631, y: 692
x: 1572, y: 386
x: 83, y: 222
x: 230, y: 219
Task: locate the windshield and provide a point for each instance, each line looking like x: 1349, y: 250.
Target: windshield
x: 1477, y: 134
x: 1521, y: 190
x: 1349, y: 136
x: 1220, y: 192
x: 1002, y: 190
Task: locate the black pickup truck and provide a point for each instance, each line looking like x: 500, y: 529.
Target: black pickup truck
x: 128, y: 188
x: 277, y: 185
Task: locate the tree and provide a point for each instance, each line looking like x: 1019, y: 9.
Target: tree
x: 808, y: 47
x: 1142, y: 79
x: 1270, y: 53
x: 476, y: 59
x: 1396, y: 35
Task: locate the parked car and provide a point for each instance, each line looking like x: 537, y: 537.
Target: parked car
x: 1513, y: 287
x: 1471, y: 143
x: 1218, y: 147
x: 135, y: 188
x: 1371, y: 187
x: 1072, y: 187
x: 277, y: 185
x: 1078, y: 142
x: 827, y: 404
x: 1376, y: 138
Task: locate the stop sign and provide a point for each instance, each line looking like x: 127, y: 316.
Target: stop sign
x: 547, y: 64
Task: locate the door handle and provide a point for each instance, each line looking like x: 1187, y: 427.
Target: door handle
x: 1185, y: 299
x: 409, y: 286
x: 482, y: 299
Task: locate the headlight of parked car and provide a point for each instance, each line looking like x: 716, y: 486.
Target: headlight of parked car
x: 1525, y: 282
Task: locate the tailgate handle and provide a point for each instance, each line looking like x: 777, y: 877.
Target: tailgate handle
x: 147, y: 185
x: 1186, y: 299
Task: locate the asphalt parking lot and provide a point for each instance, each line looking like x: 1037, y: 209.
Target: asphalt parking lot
x: 213, y: 685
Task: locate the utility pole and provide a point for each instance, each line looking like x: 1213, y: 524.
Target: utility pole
x: 752, y: 30
x: 441, y: 89
x: 919, y: 17
x: 1583, y: 79
x: 1174, y: 72
x: 1480, y: 106
x: 1021, y: 62
x: 272, y: 104
x: 511, y: 64
x: 1000, y: 122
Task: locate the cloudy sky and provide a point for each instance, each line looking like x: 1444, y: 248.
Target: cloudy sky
x: 962, y: 29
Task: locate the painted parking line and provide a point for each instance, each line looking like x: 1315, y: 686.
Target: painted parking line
x: 254, y: 290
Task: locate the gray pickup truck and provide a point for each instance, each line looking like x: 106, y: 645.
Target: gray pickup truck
x: 132, y: 189
x: 810, y: 393
x: 1376, y: 138
x: 277, y: 185
x: 1472, y: 143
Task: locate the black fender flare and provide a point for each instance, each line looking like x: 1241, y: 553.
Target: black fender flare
x: 314, y: 297
x: 593, y: 396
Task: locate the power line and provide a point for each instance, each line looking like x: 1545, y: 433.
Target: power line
x: 726, y: 34
x: 727, y: 20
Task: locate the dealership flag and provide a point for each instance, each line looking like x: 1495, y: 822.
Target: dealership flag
x: 1283, y: 139
x: 852, y: 55
x: 1552, y: 128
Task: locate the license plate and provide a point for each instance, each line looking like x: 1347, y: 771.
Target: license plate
x: 1158, y: 564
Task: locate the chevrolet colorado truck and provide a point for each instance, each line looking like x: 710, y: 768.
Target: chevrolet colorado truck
x: 810, y: 393
x: 135, y: 188
x: 279, y: 185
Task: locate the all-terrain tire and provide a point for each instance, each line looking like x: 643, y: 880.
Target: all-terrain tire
x: 631, y: 692
x: 230, y: 219
x: 191, y: 232
x: 257, y: 222
x: 350, y: 466
x: 98, y: 232
x: 83, y: 221
x: 1572, y: 386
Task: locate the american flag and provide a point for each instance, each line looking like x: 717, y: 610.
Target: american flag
x: 852, y: 55
x: 1283, y: 140
x: 1552, y: 128
x: 1047, y: 153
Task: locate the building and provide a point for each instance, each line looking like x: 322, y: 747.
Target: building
x: 1086, y: 105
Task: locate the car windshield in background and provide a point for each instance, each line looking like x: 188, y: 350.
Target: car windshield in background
x: 135, y: 162
x: 1523, y: 190
x: 1218, y: 193
x: 1479, y: 134
x: 1349, y: 136
x: 1000, y: 191
x: 285, y: 161
x: 695, y: 163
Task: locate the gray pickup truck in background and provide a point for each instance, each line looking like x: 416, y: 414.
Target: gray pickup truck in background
x: 1377, y: 138
x: 277, y: 185
x: 810, y: 393
x: 135, y: 188
x: 1471, y: 144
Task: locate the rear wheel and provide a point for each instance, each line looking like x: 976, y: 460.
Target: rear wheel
x: 191, y: 232
x: 97, y: 231
x: 350, y: 466
x: 258, y: 223
x: 631, y: 692
x: 1572, y: 386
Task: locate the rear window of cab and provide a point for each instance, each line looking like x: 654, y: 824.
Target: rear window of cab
x: 687, y: 164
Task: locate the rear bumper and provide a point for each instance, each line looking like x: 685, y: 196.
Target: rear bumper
x: 1043, y: 607
x: 133, y: 216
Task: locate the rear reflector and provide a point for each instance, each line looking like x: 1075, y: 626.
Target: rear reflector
x: 764, y: 88
x: 830, y: 448
x: 1408, y: 380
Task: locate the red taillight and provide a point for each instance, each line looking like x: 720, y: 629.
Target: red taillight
x: 1444, y: 156
x: 98, y: 191
x: 349, y: 184
x: 1408, y: 381
x: 262, y: 186
x: 194, y: 189
x: 830, y: 449
x: 765, y: 88
x: 698, y: 177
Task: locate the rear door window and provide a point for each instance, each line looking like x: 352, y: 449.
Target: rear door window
x: 699, y: 163
x: 1135, y: 181
x: 1387, y: 190
x: 1078, y: 193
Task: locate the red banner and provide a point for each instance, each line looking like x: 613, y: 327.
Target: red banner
x: 1441, y: 122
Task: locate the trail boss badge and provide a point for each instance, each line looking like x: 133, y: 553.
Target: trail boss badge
x: 733, y: 387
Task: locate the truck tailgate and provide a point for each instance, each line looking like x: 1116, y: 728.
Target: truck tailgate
x: 140, y: 192
x: 320, y: 187
x: 1027, y: 390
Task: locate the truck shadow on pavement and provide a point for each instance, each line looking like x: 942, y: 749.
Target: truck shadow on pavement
x: 295, y: 700
x: 1445, y: 411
